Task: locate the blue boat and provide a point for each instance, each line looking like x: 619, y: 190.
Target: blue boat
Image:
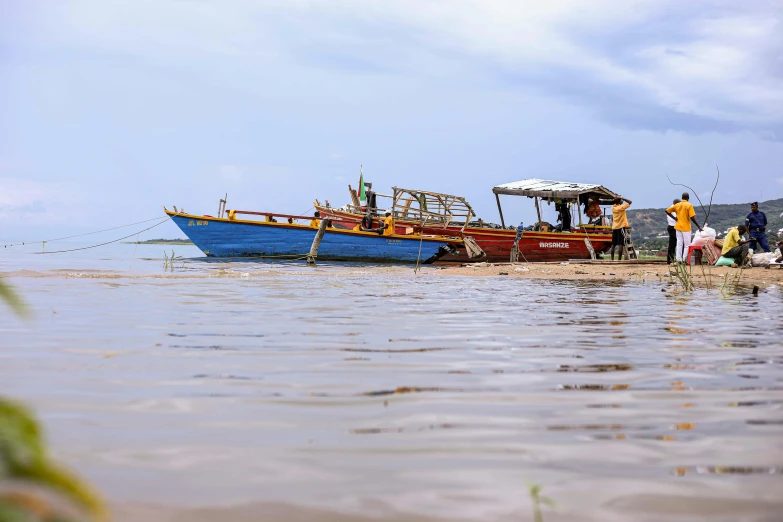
x: 233, y: 237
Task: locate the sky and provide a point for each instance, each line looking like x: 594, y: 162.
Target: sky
x: 110, y: 110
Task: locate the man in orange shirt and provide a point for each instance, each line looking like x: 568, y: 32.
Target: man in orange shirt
x: 684, y: 215
x: 619, y: 225
x: 388, y: 225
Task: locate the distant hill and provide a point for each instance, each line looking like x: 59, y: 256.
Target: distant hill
x: 648, y: 223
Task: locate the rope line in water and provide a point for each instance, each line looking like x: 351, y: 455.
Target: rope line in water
x: 80, y: 235
x: 421, y: 241
x: 108, y: 242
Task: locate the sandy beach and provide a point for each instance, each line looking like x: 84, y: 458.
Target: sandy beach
x: 706, y: 276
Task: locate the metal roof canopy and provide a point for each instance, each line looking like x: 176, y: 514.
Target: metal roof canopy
x: 552, y: 189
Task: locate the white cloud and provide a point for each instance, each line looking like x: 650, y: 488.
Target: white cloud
x: 709, y: 59
x: 31, y: 202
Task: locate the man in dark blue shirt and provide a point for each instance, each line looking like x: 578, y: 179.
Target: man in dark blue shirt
x: 756, y: 222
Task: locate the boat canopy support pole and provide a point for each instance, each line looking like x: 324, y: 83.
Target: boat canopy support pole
x: 538, y: 211
x: 500, y: 211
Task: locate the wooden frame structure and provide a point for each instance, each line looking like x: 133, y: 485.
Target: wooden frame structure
x: 425, y: 207
x: 430, y: 208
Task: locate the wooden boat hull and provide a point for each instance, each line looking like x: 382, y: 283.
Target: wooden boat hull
x: 497, y: 243
x: 220, y: 237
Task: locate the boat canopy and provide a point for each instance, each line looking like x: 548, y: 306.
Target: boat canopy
x: 546, y: 189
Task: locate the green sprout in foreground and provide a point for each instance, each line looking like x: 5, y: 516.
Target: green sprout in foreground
x: 537, y: 499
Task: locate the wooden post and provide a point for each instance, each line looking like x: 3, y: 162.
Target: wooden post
x: 222, y: 206
x: 500, y: 210
x: 317, y: 242
x: 538, y: 211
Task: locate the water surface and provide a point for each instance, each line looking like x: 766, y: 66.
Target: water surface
x: 372, y: 391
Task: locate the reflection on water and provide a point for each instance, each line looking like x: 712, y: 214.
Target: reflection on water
x: 370, y: 390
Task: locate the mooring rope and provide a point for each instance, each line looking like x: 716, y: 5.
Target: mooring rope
x: 80, y: 235
x: 418, y: 258
x: 163, y: 220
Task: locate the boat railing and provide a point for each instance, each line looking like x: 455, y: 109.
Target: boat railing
x: 267, y: 215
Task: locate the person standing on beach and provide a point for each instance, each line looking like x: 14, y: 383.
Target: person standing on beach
x: 684, y: 213
x: 756, y: 222
x: 619, y: 225
x: 672, y: 236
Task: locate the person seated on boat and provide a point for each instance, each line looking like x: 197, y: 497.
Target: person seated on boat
x: 270, y: 219
x: 542, y: 226
x: 291, y: 220
x: 316, y: 221
x: 388, y: 225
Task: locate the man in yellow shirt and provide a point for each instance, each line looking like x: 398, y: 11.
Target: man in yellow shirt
x: 619, y: 225
x: 736, y: 248
x: 388, y: 225
x: 316, y: 221
x: 684, y: 215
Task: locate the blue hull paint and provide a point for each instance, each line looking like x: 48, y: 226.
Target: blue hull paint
x: 223, y: 238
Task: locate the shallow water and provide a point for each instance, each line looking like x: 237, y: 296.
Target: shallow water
x: 370, y: 390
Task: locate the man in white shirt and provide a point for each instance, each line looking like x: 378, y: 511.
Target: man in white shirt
x: 672, y: 236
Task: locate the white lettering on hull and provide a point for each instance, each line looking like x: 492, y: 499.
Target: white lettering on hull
x: 553, y: 244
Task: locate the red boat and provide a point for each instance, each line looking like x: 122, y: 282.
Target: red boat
x: 423, y: 212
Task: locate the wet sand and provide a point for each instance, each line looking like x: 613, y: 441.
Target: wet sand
x: 707, y: 276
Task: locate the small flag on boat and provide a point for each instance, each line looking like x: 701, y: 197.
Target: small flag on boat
x: 362, y: 194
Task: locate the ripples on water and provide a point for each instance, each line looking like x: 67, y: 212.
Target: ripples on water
x: 369, y: 389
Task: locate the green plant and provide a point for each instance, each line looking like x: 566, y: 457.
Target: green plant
x: 168, y: 262
x: 8, y: 295
x: 25, y: 464
x: 535, y: 496
x: 731, y: 282
x: 681, y: 273
x: 707, y: 274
